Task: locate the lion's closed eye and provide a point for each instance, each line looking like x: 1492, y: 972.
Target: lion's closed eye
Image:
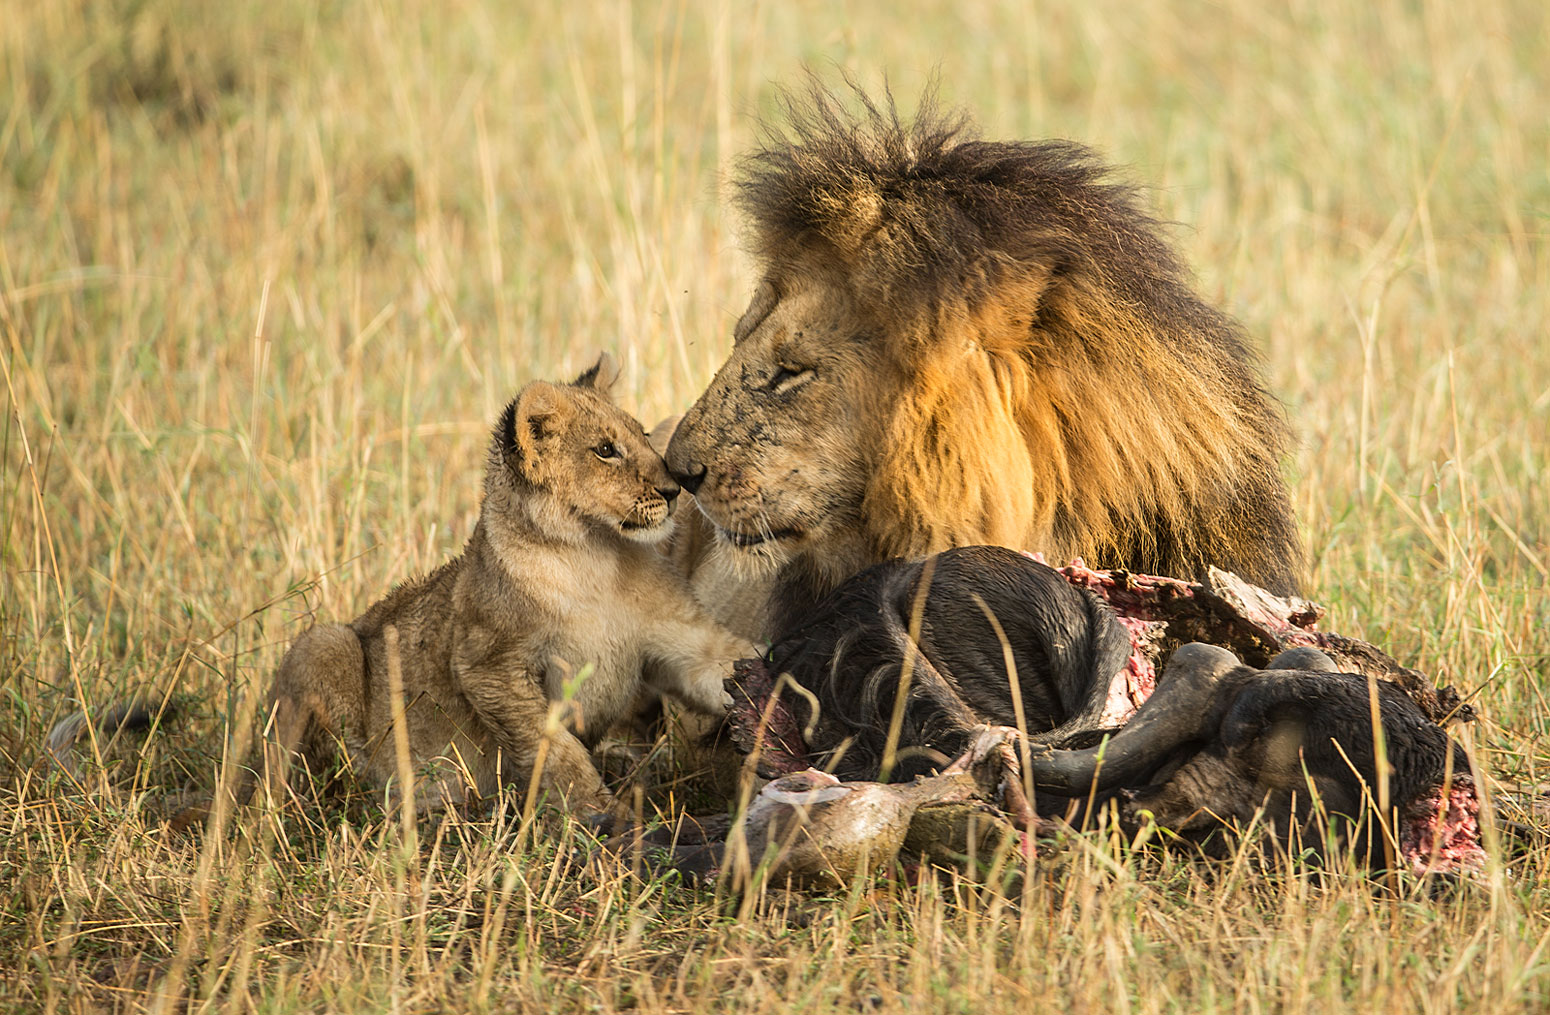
x: 787, y: 377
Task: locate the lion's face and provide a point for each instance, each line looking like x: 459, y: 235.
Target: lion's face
x: 778, y: 448
x: 587, y: 461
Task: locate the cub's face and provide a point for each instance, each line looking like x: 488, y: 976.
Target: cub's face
x: 584, y: 462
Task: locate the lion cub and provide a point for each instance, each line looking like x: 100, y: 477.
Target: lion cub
x: 559, y: 595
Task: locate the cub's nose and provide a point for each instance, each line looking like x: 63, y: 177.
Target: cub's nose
x: 691, y: 477
x: 669, y: 493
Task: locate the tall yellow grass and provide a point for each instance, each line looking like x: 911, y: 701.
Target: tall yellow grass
x: 267, y: 271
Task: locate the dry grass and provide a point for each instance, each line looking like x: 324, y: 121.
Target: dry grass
x: 268, y: 269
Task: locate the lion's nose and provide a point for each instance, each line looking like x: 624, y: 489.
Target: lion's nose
x: 691, y: 477
x: 669, y: 493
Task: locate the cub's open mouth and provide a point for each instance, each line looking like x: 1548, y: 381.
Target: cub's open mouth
x: 629, y: 526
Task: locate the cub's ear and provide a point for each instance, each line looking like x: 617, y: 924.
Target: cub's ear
x: 506, y: 430
x: 600, y: 376
x: 764, y: 299
x: 537, y: 414
x: 661, y: 435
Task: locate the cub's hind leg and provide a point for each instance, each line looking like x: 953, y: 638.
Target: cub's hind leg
x: 318, y: 699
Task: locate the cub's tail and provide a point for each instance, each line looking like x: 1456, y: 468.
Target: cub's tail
x: 136, y: 716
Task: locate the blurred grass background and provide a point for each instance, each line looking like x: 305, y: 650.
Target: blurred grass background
x: 268, y: 270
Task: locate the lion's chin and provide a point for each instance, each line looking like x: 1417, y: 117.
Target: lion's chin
x: 756, y: 553
x: 754, y: 548
x: 758, y: 540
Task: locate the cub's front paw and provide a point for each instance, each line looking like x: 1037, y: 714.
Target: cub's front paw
x: 710, y: 696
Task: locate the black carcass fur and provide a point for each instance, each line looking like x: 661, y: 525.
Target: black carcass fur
x: 981, y: 604
x: 1220, y: 744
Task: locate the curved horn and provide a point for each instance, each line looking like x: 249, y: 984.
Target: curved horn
x: 1303, y: 657
x: 1182, y: 708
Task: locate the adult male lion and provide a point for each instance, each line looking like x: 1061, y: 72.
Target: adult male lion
x: 960, y: 341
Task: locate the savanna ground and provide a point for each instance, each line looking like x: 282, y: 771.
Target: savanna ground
x: 267, y: 271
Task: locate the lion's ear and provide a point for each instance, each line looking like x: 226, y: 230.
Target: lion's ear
x: 539, y: 413
x: 600, y: 376
x: 1001, y: 298
x: 853, y: 221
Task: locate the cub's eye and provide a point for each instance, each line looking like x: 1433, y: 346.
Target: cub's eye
x: 606, y: 450
x: 786, y: 377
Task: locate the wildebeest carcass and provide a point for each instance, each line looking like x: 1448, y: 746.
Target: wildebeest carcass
x: 904, y: 667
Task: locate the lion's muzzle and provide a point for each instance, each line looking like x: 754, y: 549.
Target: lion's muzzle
x: 690, y: 477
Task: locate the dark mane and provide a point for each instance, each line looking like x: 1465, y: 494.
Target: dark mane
x: 953, y: 218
